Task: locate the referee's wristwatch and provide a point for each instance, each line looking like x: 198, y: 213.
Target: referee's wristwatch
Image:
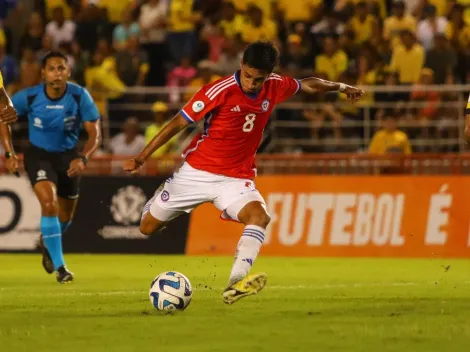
x: 9, y: 155
x: 84, y: 159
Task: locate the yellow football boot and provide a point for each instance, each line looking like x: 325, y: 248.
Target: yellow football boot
x: 250, y: 285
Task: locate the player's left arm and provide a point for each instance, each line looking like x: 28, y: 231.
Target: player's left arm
x: 314, y: 85
x: 287, y: 87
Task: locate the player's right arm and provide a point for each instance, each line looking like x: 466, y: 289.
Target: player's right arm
x: 177, y: 124
x: 203, y: 102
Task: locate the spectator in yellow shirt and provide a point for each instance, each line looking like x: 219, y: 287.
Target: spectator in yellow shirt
x: 440, y: 5
x: 376, y: 7
x: 102, y: 81
x: 183, y: 20
x: 362, y: 23
x: 332, y: 62
x: 395, y: 24
x: 389, y: 139
x: 257, y: 27
x: 160, y: 112
x: 115, y: 8
x: 3, y: 38
x: 466, y: 6
x: 231, y: 22
x: 242, y: 6
x: 299, y: 10
x: 457, y: 31
x: 408, y: 59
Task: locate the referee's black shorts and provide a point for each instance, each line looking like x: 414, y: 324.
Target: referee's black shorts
x: 42, y: 165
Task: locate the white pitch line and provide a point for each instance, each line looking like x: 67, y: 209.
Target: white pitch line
x: 348, y: 285
x: 274, y: 287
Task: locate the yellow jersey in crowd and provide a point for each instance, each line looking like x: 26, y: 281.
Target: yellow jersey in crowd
x: 390, y: 142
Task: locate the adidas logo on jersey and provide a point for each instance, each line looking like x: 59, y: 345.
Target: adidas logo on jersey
x: 236, y: 109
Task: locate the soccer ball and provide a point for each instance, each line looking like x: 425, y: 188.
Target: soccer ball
x: 170, y: 291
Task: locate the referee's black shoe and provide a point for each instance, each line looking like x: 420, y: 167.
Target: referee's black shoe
x: 63, y: 275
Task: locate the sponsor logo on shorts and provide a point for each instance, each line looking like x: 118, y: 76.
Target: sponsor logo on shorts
x: 42, y: 175
x: 198, y: 106
x: 165, y: 196
x: 265, y: 105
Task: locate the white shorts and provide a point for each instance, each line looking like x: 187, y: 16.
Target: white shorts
x: 190, y: 187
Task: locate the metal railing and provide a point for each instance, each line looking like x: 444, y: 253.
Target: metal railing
x: 293, y: 132
x: 311, y: 164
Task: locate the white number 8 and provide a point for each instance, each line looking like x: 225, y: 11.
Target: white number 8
x: 250, y: 123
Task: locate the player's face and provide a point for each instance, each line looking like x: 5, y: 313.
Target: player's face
x: 252, y: 79
x: 56, y: 73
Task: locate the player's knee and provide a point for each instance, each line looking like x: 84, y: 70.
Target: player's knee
x: 259, y: 217
x: 49, y: 208
x: 264, y: 220
x: 145, y: 228
x: 148, y: 227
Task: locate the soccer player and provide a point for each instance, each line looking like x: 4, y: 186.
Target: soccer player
x: 56, y: 110
x: 7, y: 116
x: 7, y: 112
x: 219, y: 164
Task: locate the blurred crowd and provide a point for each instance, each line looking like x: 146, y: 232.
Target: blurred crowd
x: 112, y: 45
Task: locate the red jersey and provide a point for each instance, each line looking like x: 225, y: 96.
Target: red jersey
x: 234, y: 123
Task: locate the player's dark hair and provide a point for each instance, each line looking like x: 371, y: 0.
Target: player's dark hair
x: 52, y: 54
x: 261, y: 55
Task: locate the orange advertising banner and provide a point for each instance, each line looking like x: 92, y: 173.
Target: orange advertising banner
x: 363, y: 216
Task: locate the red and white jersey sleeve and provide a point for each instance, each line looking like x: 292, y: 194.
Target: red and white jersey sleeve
x: 206, y: 100
x: 233, y: 124
x: 286, y: 87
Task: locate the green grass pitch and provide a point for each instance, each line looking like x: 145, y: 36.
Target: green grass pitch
x: 310, y: 304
